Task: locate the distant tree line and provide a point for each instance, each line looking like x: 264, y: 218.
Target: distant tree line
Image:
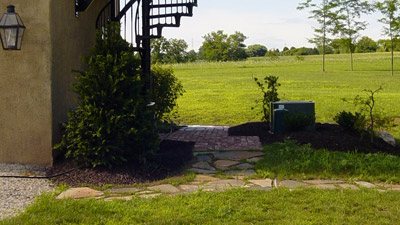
x: 339, y: 25
x: 218, y: 46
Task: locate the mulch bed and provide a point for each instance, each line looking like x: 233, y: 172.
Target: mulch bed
x: 170, y: 161
x: 328, y: 136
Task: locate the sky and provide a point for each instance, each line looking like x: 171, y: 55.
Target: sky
x: 273, y: 23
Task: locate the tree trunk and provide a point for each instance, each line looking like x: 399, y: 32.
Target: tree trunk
x: 351, y: 59
x: 391, y: 40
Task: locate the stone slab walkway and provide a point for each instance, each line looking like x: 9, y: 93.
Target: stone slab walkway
x: 214, y: 138
x: 207, y: 183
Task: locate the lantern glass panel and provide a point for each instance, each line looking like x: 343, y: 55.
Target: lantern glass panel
x: 11, y: 37
x: 2, y: 35
x: 20, y: 35
x: 3, y: 19
x: 11, y: 19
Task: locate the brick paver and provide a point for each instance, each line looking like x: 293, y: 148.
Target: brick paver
x: 211, y: 138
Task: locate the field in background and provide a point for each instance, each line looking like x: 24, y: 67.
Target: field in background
x: 224, y: 93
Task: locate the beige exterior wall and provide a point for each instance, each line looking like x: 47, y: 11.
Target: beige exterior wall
x: 35, y: 83
x: 72, y: 38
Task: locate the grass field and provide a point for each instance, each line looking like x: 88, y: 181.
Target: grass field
x: 279, y: 206
x: 223, y: 93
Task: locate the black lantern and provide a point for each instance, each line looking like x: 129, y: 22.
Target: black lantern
x: 11, y: 29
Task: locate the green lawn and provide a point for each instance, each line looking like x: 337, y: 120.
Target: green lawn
x: 223, y: 93
x: 303, y: 206
x: 290, y: 161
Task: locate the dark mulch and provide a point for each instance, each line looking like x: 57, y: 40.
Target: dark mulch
x: 170, y: 161
x: 327, y: 136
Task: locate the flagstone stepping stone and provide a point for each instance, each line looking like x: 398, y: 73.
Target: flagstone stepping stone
x: 203, y: 165
x: 189, y: 188
x: 165, y: 188
x: 316, y: 182
x: 123, y: 190
x: 393, y: 187
x: 324, y: 186
x: 205, y: 178
x: 149, y: 195
x: 82, y: 192
x: 203, y: 158
x: 124, y: 198
x: 349, y: 186
x: 145, y: 192
x: 225, y: 184
x: 291, y: 184
x: 262, y: 183
x: 237, y: 155
x: 224, y: 164
x: 244, y: 166
x: 240, y: 172
x: 201, y: 171
x: 258, y: 188
x: 365, y: 184
x: 254, y: 160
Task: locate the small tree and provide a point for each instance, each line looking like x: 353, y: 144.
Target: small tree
x: 347, y: 23
x: 390, y: 10
x: 367, y: 105
x: 325, y: 17
x: 270, y: 94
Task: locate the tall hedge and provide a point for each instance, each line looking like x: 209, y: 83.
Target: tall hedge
x: 111, y: 124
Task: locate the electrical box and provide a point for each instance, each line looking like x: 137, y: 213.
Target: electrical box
x: 292, y: 116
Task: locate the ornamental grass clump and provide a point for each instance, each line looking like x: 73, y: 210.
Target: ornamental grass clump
x: 111, y: 125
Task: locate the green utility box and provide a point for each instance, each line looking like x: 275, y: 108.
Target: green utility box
x: 292, y: 116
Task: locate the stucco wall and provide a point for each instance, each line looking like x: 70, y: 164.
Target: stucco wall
x: 25, y: 89
x: 35, y: 83
x: 72, y: 38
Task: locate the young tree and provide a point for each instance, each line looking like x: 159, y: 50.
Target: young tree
x: 390, y: 10
x: 347, y: 23
x: 323, y: 13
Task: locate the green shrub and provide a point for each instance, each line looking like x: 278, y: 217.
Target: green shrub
x: 270, y: 94
x: 350, y: 121
x: 166, y: 90
x: 111, y: 124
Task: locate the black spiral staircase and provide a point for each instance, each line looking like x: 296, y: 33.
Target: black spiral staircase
x: 141, y: 21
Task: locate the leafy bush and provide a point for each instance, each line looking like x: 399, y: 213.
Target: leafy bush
x: 166, y: 90
x: 350, y: 121
x: 269, y: 95
x: 111, y: 124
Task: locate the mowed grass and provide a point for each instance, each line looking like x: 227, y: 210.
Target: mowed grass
x: 224, y: 93
x: 279, y: 206
x: 290, y: 161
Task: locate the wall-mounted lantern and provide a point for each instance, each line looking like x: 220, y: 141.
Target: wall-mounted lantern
x: 11, y: 29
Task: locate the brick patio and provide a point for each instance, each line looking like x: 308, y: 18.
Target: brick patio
x: 212, y: 138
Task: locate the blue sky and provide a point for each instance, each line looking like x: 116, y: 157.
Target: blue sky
x: 273, y: 23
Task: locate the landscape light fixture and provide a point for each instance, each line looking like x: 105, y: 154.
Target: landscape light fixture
x: 11, y: 29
